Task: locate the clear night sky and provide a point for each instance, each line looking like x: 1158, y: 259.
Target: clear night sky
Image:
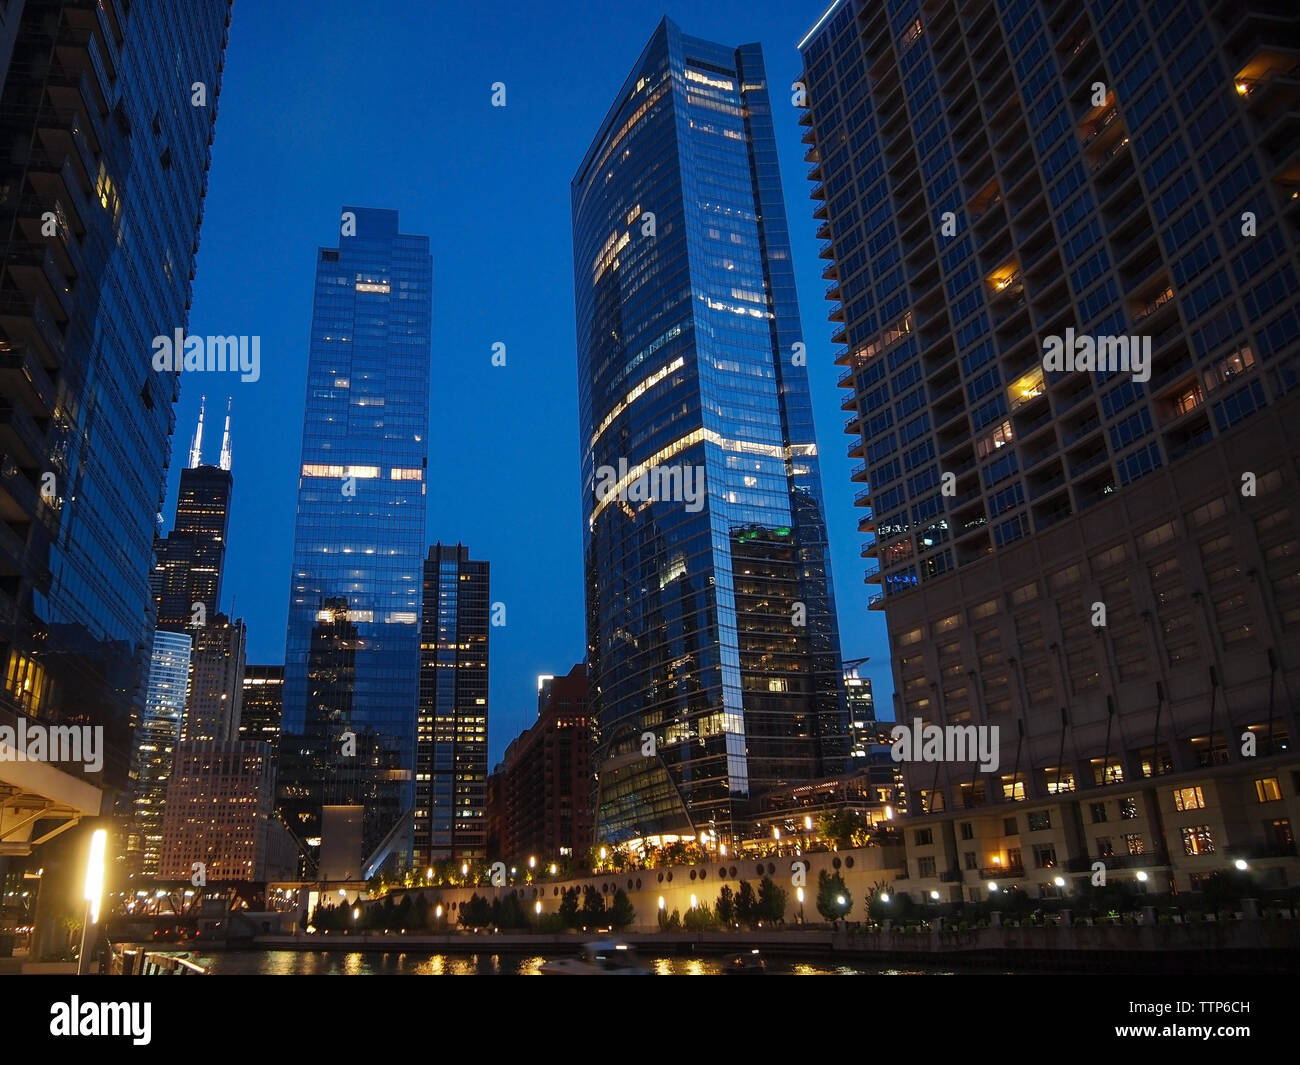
x: 321, y: 107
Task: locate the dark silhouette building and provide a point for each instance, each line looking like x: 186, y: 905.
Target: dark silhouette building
x: 544, y: 782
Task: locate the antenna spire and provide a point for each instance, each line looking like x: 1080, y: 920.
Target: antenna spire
x: 196, y: 449
x: 225, y: 439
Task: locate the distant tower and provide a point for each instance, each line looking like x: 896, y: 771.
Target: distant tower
x: 191, y: 558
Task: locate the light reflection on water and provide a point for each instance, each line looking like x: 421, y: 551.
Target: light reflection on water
x: 404, y: 963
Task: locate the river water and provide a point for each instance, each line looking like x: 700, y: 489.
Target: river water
x: 421, y: 963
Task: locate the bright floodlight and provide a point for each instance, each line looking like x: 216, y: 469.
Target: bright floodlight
x: 95, y: 872
x: 1142, y: 878
x: 1059, y: 881
x: 839, y: 899
x: 934, y: 895
x: 799, y: 895
x: 1240, y: 863
x: 884, y: 896
x: 538, y: 907
x: 993, y: 886
x: 661, y: 902
x: 807, y: 823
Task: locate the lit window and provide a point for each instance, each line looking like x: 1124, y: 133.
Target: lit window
x: 1025, y: 388
x: 373, y: 286
x: 1197, y: 840
x: 1267, y: 789
x: 1228, y: 367
x: 1188, y: 799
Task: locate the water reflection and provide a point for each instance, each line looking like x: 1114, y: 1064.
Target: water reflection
x: 405, y: 963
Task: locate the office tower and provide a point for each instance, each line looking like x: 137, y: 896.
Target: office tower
x: 1095, y: 558
x: 216, y: 681
x: 156, y: 738
x: 710, y: 617
x: 451, y: 749
x: 187, y: 581
x: 359, y: 537
x: 221, y: 812
x: 863, y: 730
x: 544, y: 801
x: 262, y: 706
x: 103, y: 178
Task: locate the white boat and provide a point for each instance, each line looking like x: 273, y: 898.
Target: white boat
x: 603, y: 957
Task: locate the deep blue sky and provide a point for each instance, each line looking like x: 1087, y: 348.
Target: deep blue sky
x: 320, y: 108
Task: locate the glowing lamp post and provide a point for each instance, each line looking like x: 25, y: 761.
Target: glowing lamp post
x: 94, y: 891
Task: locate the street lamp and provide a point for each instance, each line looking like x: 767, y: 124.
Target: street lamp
x: 537, y: 907
x: 94, y: 891
x: 532, y: 862
x: 993, y: 887
x: 799, y: 895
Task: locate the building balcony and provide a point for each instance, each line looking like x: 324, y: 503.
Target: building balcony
x: 1002, y: 872
x: 869, y: 549
x: 853, y: 425
x: 20, y: 436
x: 877, y: 602
x: 21, y: 374
x: 859, y: 472
x: 867, y: 523
x: 29, y: 319
x: 872, y: 574
x: 863, y: 498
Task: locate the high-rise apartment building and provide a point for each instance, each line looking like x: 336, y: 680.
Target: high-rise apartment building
x: 1062, y: 246
x: 221, y: 813
x: 102, y: 183
x: 710, y: 618
x: 452, y: 738
x: 156, y: 737
x: 544, y: 799
x: 359, y: 542
x: 262, y: 706
x: 187, y: 580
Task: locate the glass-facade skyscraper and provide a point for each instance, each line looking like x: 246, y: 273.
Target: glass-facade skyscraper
x: 710, y: 615
x: 156, y: 738
x: 359, y: 544
x: 102, y: 186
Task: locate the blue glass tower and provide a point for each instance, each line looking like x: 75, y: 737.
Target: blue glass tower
x: 352, y: 654
x: 710, y: 617
x: 101, y: 199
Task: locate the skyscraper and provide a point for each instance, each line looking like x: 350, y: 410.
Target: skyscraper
x: 262, y: 706
x: 216, y: 681
x: 187, y: 581
x: 157, y: 735
x: 452, y: 739
x: 103, y: 183
x: 1092, y: 556
x: 359, y: 537
x: 710, y: 618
